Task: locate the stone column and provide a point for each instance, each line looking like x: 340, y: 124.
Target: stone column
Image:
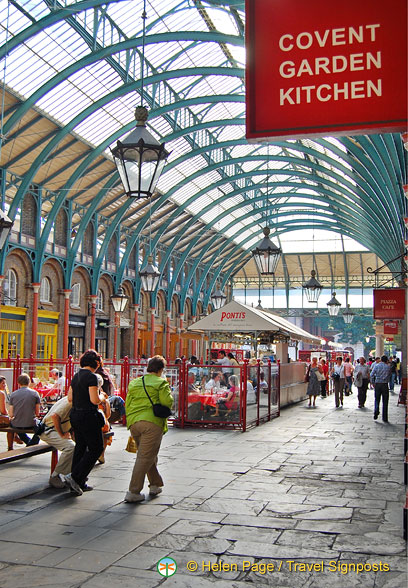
x: 282, y: 352
x: 379, y: 345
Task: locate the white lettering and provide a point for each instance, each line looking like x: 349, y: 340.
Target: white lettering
x: 339, y: 63
x: 357, y: 90
x: 283, y: 47
x: 335, y: 64
x: 372, y: 28
x: 372, y: 88
x: 337, y: 91
x: 308, y: 43
x: 304, y: 68
x: 287, y: 69
x: 358, y: 36
x: 356, y: 62
x: 339, y: 36
x: 308, y: 90
x: 321, y: 63
x: 321, y: 40
x: 342, y: 36
x: 319, y: 93
x: 325, y: 92
x: 373, y: 60
x: 286, y: 96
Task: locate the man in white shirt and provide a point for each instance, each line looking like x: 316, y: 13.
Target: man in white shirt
x: 59, y: 383
x: 224, y: 360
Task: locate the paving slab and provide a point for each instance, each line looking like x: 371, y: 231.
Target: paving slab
x: 314, y: 488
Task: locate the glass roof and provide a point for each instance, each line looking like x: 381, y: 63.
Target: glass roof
x: 83, y: 70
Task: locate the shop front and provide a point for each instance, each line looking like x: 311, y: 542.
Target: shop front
x: 76, y: 335
x: 12, y: 331
x: 47, y: 334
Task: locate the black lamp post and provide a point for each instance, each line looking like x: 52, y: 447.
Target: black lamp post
x: 218, y: 298
x: 312, y: 288
x: 333, y: 306
x: 266, y: 255
x: 119, y: 301
x: 140, y: 159
x: 5, y: 227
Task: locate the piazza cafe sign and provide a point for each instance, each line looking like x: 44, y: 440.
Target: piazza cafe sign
x: 317, y: 68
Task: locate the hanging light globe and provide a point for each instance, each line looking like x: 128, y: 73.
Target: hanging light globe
x: 149, y: 276
x: 348, y: 315
x: 333, y: 306
x: 119, y: 300
x: 139, y: 159
x: 312, y: 288
x: 218, y: 298
x: 266, y: 255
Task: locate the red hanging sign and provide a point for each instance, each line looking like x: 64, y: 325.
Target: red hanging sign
x: 318, y: 69
x: 391, y: 327
x: 389, y: 303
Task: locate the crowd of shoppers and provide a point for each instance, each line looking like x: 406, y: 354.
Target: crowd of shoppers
x: 382, y: 373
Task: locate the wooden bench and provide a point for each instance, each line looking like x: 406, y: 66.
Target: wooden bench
x: 30, y: 451
x: 23, y: 452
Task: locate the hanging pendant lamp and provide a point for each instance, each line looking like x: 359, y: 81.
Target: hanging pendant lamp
x: 218, y: 298
x: 348, y: 315
x: 333, y: 306
x: 312, y: 288
x: 266, y: 255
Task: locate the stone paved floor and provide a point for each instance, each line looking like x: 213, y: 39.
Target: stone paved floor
x: 315, y: 493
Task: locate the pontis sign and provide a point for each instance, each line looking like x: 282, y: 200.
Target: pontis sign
x: 389, y: 303
x: 322, y: 68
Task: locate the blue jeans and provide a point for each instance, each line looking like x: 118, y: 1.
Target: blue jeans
x: 392, y: 381
x: 23, y: 436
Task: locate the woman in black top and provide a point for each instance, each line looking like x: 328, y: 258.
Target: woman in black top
x: 86, y: 421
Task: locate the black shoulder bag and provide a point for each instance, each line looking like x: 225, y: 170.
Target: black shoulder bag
x: 159, y: 410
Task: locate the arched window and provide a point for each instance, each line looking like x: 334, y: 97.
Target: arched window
x: 45, y: 290
x: 100, y: 301
x: 10, y: 288
x: 76, y: 295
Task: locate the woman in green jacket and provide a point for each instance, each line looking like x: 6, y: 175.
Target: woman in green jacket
x: 146, y: 428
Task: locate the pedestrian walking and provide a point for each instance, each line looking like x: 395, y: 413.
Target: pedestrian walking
x: 380, y: 376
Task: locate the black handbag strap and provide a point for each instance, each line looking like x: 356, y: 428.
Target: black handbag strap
x: 146, y: 391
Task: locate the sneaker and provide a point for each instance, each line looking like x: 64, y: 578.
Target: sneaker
x: 375, y: 417
x: 131, y: 497
x: 69, y: 482
x: 87, y: 488
x: 56, y: 482
x: 155, y: 490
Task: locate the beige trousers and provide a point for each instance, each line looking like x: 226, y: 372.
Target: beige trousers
x: 65, y: 448
x: 148, y: 437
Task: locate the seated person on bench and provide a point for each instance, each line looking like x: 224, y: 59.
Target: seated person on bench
x: 57, y: 434
x: 24, y: 407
